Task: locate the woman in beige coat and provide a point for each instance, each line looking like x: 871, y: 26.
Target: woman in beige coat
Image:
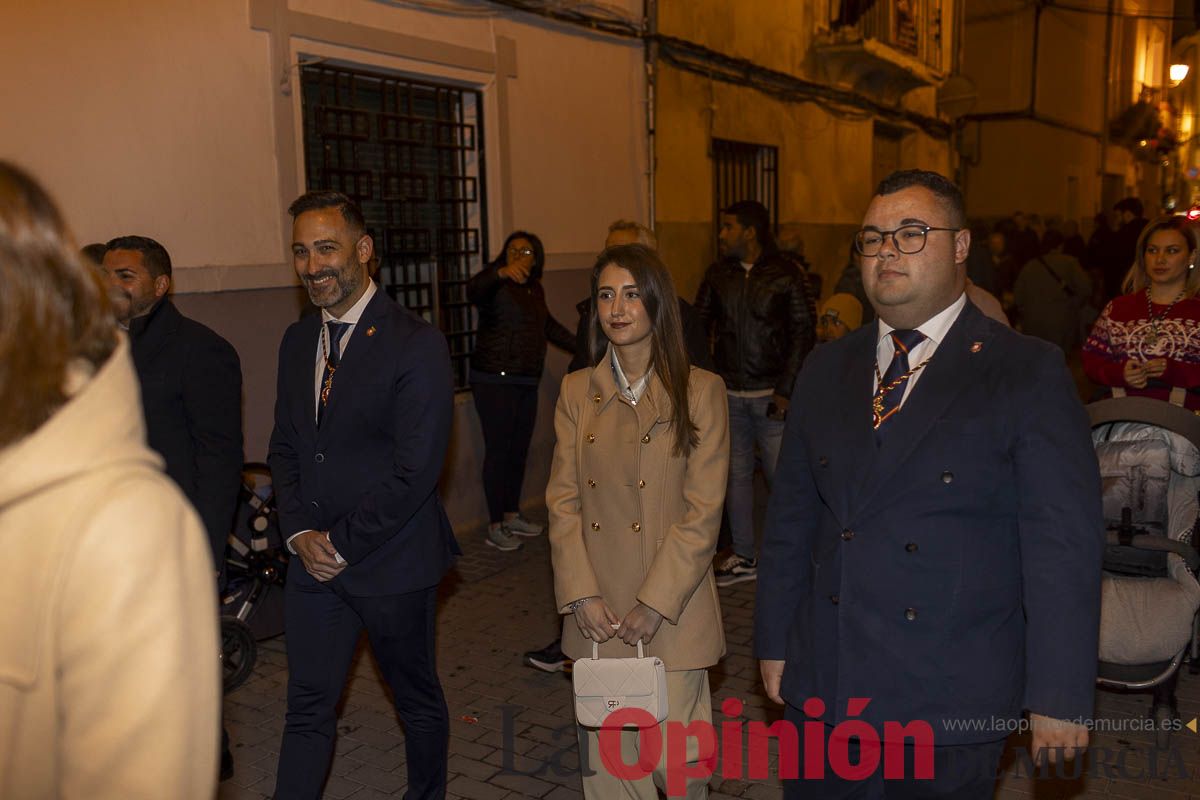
x: 109, y: 675
x: 635, y: 499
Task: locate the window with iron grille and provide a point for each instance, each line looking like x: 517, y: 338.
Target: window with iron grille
x: 743, y: 171
x: 410, y: 152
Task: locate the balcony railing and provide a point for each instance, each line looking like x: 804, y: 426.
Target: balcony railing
x: 912, y: 27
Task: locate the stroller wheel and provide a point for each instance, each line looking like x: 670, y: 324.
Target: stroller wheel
x: 239, y: 651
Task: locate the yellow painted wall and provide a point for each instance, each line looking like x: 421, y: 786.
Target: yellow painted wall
x: 825, y: 160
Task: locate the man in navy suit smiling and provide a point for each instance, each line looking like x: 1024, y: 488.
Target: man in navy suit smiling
x: 362, y: 420
x: 934, y: 538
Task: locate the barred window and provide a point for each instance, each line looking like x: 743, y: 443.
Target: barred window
x: 410, y: 152
x: 744, y: 171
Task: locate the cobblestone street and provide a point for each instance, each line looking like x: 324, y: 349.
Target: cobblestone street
x: 512, y: 731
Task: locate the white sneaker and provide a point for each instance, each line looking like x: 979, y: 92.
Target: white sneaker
x: 501, y: 540
x: 519, y: 526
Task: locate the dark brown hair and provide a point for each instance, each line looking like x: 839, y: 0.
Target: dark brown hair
x: 53, y: 308
x: 668, y: 355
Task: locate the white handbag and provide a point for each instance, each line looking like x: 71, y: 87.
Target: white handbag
x: 605, y: 685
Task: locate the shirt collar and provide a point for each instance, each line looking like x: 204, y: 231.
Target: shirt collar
x: 356, y: 311
x: 936, y: 327
x: 632, y: 391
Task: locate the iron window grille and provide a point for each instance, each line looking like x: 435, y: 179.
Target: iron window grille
x: 410, y: 152
x: 744, y: 171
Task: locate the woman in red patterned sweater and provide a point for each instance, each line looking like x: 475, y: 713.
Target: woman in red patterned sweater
x: 1147, y: 341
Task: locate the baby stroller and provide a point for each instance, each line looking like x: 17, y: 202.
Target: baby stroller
x: 256, y: 568
x: 1149, y: 454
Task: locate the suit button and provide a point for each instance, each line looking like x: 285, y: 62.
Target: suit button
x: 847, y: 535
x: 641, y: 484
x: 823, y: 461
x: 911, y: 547
x: 637, y: 527
x: 319, y: 458
x: 833, y: 598
x: 591, y: 437
x: 315, y: 504
x: 596, y: 398
x: 595, y: 526
x: 646, y: 439
x: 910, y: 614
x: 947, y: 476
x: 591, y: 483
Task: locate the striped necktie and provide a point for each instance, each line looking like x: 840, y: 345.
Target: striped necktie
x: 889, y: 394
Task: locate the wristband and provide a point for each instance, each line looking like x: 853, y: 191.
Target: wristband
x: 575, y: 606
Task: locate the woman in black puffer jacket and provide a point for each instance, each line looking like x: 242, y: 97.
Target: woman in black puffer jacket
x: 510, y: 350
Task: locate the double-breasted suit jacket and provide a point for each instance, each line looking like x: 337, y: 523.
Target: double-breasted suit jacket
x: 369, y: 474
x: 631, y: 521
x: 952, y: 573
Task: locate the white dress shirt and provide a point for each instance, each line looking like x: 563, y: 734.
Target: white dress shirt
x: 631, y: 391
x: 935, y: 329
x: 352, y: 316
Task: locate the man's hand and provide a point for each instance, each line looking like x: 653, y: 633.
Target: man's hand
x: 517, y: 272
x: 772, y: 676
x: 318, y: 555
x: 1050, y: 737
x: 1155, y: 367
x: 781, y: 402
x: 1136, y: 374
x: 596, y: 620
x: 639, y: 625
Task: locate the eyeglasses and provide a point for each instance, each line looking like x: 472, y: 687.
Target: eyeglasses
x: 513, y: 252
x: 909, y: 239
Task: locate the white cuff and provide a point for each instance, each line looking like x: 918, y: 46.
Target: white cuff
x: 291, y: 549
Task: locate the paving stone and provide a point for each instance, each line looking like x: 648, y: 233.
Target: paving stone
x: 475, y: 790
x: 376, y: 778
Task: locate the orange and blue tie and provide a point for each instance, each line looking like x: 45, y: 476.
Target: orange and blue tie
x: 903, y: 341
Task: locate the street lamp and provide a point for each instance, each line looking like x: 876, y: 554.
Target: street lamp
x: 1178, y: 73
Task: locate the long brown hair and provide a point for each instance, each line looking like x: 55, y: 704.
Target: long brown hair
x: 53, y: 307
x: 1136, y: 279
x: 668, y: 355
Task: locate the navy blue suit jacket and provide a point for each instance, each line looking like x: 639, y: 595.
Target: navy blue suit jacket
x: 369, y: 474
x: 952, y: 573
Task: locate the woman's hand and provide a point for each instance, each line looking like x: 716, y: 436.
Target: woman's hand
x: 1155, y: 367
x: 518, y: 271
x: 1136, y: 374
x: 640, y: 624
x: 596, y: 620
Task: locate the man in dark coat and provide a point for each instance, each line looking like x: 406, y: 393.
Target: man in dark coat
x: 362, y: 421
x: 191, y: 382
x: 934, y: 538
x: 754, y: 304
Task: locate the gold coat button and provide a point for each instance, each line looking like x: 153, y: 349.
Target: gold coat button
x: 595, y: 526
x: 637, y: 527
x: 596, y: 398
x: 641, y: 484
x: 591, y: 483
x: 646, y: 439
x: 591, y: 437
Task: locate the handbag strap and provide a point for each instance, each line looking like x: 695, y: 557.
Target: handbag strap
x: 596, y: 649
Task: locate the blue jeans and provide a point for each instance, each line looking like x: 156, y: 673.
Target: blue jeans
x: 748, y: 425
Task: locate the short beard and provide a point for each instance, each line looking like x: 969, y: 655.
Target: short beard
x: 346, y: 281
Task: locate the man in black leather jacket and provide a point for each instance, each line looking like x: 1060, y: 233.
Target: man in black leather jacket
x: 753, y: 303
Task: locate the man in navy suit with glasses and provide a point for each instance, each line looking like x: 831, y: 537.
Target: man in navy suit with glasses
x: 362, y: 421
x: 934, y: 537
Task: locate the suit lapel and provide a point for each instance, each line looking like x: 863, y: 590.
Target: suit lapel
x: 952, y: 369
x: 855, y: 419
